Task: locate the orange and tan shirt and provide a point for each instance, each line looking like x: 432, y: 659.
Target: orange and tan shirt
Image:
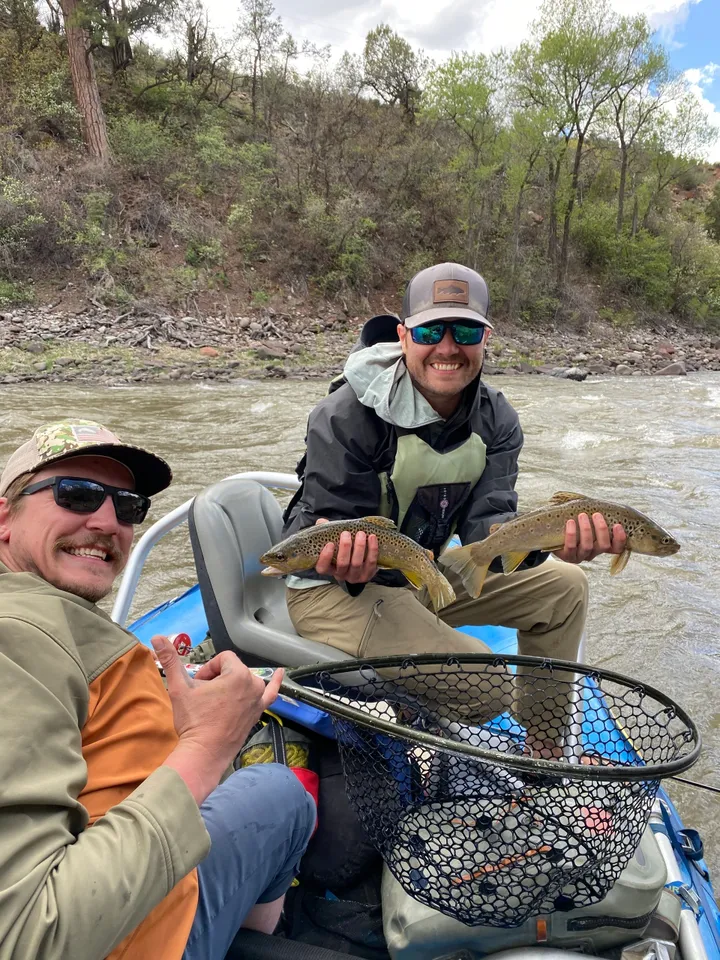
x: 98, y: 840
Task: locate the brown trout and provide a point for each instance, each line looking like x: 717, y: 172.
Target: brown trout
x: 396, y: 552
x: 544, y: 529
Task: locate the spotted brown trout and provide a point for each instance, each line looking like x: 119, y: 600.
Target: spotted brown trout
x: 544, y: 529
x: 396, y: 552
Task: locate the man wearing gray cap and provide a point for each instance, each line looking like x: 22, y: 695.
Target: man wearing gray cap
x: 115, y: 838
x: 411, y: 432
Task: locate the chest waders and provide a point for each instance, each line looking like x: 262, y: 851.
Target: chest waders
x: 425, y: 491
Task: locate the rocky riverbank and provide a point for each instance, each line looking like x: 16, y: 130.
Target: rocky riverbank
x: 40, y: 344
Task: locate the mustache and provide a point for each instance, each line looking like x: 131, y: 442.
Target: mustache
x: 102, y: 541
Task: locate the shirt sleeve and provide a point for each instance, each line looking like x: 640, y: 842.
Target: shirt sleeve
x: 339, y: 482
x: 67, y: 889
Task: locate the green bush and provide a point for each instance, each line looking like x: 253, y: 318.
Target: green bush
x: 21, y: 223
x: 638, y: 266
x: 642, y: 267
x: 594, y: 229
x: 48, y: 102
x: 203, y: 253
x: 12, y: 294
x: 712, y: 214
x: 142, y: 144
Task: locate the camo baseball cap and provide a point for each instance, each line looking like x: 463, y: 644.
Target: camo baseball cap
x: 447, y: 291
x: 71, y: 438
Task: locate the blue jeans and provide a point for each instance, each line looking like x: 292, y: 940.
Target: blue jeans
x: 260, y: 821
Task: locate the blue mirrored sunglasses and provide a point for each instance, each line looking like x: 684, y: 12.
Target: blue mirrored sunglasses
x: 464, y: 334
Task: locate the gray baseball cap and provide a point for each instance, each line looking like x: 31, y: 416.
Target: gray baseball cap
x: 447, y: 291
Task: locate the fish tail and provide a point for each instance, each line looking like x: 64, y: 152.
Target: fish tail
x: 462, y: 561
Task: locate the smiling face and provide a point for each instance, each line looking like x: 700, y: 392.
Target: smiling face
x: 81, y: 553
x: 442, y: 371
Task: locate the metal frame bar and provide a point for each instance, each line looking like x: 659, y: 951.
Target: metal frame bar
x: 136, y: 561
x: 692, y: 946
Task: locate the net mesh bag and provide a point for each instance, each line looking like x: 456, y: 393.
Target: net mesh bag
x: 497, y: 789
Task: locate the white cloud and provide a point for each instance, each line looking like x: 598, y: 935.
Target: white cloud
x: 439, y: 26
x: 700, y: 79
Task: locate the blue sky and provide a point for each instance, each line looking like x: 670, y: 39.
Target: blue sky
x: 693, y: 42
x: 696, y: 42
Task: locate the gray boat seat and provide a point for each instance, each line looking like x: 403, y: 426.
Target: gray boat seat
x: 232, y: 523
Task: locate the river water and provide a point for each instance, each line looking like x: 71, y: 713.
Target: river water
x: 653, y: 443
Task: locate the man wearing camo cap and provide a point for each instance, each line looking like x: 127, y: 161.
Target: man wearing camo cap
x: 411, y: 432
x: 115, y: 838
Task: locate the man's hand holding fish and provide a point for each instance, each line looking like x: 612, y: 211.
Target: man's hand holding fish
x: 354, y: 560
x: 586, y: 539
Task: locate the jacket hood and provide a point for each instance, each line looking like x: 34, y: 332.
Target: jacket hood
x: 376, y: 371
x: 381, y: 381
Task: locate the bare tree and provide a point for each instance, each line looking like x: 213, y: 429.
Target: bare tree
x: 260, y: 30
x: 646, y: 90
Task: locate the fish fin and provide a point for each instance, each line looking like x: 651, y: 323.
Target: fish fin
x: 511, y: 561
x: 381, y: 522
x: 494, y: 527
x: 440, y: 592
x: 414, y: 578
x: 272, y: 572
x: 462, y: 562
x: 619, y: 562
x: 562, y: 496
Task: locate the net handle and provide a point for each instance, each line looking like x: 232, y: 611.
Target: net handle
x: 658, y: 771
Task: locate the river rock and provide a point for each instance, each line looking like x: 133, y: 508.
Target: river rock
x: 297, y: 348
x: 576, y: 373
x: 255, y: 327
x: 265, y: 352
x: 599, y: 368
x: 623, y: 370
x: 64, y: 361
x: 677, y: 369
x: 36, y: 346
x: 244, y: 323
x: 41, y: 365
x: 209, y: 352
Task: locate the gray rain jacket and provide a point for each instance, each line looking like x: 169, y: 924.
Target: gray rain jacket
x: 352, y: 442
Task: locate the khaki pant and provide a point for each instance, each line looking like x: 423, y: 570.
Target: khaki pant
x: 546, y: 604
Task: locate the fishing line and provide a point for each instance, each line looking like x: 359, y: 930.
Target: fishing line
x: 695, y: 783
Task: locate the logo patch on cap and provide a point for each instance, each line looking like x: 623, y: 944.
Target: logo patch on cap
x: 55, y: 439
x: 451, y: 291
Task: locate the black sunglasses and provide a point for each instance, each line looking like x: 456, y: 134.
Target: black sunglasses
x: 87, y: 496
x: 464, y: 334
